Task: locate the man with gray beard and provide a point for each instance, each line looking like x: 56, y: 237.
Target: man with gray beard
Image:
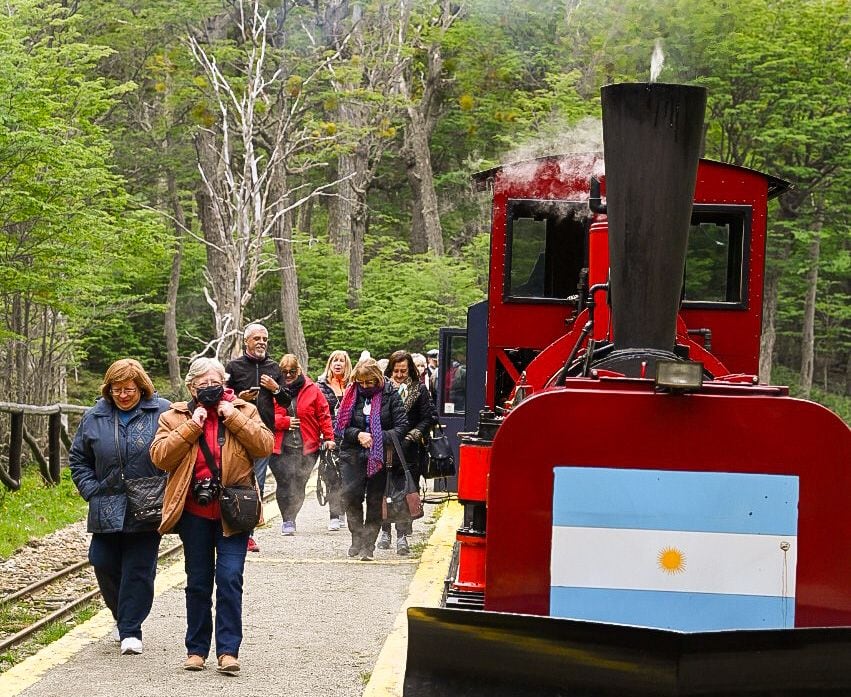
x: 256, y: 378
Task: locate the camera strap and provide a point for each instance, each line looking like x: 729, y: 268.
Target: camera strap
x: 205, y: 448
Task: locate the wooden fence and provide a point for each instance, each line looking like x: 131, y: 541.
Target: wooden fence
x: 57, y: 436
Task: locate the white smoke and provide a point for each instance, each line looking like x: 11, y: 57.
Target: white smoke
x: 657, y: 61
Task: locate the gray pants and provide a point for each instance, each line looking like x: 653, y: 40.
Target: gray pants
x: 291, y: 470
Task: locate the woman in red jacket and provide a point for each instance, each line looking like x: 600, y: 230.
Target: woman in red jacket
x: 300, y: 430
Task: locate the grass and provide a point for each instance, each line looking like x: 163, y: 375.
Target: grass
x: 36, y: 509
x: 47, y: 635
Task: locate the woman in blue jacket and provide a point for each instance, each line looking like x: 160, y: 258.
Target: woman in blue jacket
x: 112, y: 444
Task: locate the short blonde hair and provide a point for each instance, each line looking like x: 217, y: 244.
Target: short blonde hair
x: 347, y: 370
x: 127, y: 369
x: 368, y: 369
x: 204, y: 364
x: 292, y: 360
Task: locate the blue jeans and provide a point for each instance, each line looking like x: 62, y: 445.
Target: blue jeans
x: 209, y: 556
x: 125, y: 564
x: 261, y: 467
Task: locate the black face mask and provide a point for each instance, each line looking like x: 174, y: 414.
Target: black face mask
x: 209, y: 396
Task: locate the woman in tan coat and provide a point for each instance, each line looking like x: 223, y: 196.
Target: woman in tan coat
x: 234, y: 435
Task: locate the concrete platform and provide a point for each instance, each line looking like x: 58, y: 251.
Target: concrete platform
x: 315, y: 622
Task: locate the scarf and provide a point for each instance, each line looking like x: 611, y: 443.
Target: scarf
x: 409, y: 394
x: 375, y: 461
x: 295, y: 386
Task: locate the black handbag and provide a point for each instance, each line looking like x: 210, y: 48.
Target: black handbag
x: 144, y: 494
x: 441, y: 462
x: 328, y: 477
x: 241, y: 506
x: 401, y: 502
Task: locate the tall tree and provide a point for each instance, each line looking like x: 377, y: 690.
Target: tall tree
x: 421, y: 86
x: 366, y: 84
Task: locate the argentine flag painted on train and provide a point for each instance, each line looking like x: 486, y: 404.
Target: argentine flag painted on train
x: 690, y: 551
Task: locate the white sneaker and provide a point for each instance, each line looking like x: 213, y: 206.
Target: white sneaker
x: 334, y: 524
x: 114, y: 634
x: 131, y: 646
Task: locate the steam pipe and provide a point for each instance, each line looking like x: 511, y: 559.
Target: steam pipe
x: 652, y: 136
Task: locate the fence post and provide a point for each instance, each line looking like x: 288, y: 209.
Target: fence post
x: 54, y: 425
x: 16, y: 444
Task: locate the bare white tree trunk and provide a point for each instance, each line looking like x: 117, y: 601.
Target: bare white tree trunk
x: 769, y: 325
x: 809, y: 319
x: 244, y: 159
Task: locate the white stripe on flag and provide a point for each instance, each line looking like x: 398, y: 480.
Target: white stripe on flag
x: 670, y: 560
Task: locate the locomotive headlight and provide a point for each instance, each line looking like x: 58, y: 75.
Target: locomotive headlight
x: 679, y: 376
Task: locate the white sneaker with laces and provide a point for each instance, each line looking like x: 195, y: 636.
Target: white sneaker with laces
x: 114, y: 634
x: 131, y: 646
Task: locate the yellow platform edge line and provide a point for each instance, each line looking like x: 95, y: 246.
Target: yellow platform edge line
x: 426, y: 590
x: 29, y: 671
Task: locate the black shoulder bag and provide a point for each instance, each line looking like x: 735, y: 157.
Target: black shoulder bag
x: 240, y: 505
x: 401, y: 501
x: 144, y: 494
x: 441, y: 462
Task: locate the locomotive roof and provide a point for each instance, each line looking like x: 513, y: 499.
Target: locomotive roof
x: 776, y: 186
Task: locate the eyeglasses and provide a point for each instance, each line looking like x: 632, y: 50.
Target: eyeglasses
x: 201, y: 385
x: 367, y: 383
x: 129, y: 391
x: 292, y: 371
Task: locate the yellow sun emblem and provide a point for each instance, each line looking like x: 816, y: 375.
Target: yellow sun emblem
x: 672, y: 561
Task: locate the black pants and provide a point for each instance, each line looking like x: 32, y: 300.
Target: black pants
x: 125, y: 565
x: 291, y: 470
x: 358, y: 489
x: 412, y: 459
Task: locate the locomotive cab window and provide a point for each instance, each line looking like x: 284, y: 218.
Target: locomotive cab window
x: 717, y: 256
x: 545, y: 250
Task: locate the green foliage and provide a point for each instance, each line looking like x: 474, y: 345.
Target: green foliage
x: 108, y: 100
x: 37, y: 509
x: 839, y: 404
x: 404, y: 301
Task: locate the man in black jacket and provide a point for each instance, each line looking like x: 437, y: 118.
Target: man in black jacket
x: 256, y: 378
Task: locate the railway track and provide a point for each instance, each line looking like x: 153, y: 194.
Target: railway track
x: 75, y: 580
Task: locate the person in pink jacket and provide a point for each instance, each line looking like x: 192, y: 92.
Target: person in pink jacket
x: 300, y: 430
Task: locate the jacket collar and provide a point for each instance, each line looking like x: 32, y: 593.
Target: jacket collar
x: 104, y: 407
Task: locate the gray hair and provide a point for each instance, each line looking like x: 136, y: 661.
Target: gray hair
x: 251, y: 328
x: 201, y: 365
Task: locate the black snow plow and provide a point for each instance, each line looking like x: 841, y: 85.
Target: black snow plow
x: 462, y: 653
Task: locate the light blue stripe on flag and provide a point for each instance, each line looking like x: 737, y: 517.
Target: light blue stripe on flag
x: 666, y: 500
x: 692, y: 551
x: 687, y: 612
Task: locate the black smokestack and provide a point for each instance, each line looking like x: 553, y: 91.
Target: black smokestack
x: 652, y: 134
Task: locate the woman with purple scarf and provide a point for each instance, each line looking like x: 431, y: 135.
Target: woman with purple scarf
x: 370, y: 409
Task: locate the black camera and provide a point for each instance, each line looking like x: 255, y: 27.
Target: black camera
x: 205, y: 490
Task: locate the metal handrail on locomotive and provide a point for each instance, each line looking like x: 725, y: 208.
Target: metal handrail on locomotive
x: 641, y: 514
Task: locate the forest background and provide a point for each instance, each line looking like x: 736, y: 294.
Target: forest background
x: 170, y: 171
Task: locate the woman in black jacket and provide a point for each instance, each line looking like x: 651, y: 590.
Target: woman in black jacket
x: 402, y: 374
x: 370, y: 410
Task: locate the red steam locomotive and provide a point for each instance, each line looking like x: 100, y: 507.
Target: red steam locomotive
x: 641, y: 515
